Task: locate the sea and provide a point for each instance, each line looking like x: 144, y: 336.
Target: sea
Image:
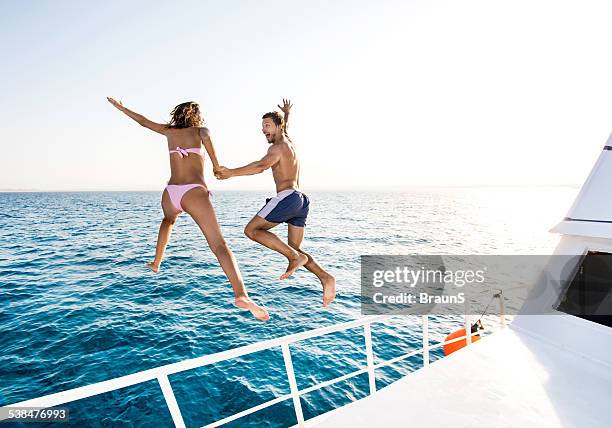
x: 78, y: 306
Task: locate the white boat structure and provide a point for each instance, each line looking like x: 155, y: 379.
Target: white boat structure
x: 547, y: 370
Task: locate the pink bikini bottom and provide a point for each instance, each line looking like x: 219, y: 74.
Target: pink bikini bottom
x: 177, y: 191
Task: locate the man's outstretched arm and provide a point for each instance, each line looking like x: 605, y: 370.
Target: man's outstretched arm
x: 286, y: 108
x: 257, y: 167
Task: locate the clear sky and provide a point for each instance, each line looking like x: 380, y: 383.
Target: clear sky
x: 386, y: 93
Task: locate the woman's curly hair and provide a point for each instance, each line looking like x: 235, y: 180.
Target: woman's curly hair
x: 185, y: 115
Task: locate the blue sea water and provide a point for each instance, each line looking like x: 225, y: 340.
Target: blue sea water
x: 78, y: 306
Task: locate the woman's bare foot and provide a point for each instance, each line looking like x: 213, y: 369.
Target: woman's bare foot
x: 257, y: 311
x: 329, y: 289
x: 153, y: 266
x: 300, y: 261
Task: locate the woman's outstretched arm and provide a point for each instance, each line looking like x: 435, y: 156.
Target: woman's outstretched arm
x: 143, y: 121
x: 210, y: 148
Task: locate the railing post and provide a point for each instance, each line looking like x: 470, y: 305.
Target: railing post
x: 367, y: 332
x: 502, y: 309
x: 166, y: 388
x: 295, y: 394
x: 425, y: 340
x: 468, y: 324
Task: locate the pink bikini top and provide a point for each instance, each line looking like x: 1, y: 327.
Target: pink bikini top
x: 185, y: 152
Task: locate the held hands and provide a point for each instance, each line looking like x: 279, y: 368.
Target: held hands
x: 222, y: 173
x: 286, y: 107
x: 115, y: 103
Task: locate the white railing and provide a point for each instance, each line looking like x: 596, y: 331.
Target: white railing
x: 161, y: 373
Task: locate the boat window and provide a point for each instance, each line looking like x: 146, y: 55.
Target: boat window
x: 589, y: 295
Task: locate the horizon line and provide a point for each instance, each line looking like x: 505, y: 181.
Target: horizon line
x: 315, y: 189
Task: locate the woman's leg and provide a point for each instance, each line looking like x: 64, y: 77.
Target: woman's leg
x: 196, y: 203
x: 165, y: 229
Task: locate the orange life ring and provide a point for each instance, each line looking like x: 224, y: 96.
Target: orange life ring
x: 449, y: 348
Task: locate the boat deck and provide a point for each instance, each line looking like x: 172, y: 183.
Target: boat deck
x: 508, y: 379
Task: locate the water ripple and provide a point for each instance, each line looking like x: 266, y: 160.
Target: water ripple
x: 78, y: 306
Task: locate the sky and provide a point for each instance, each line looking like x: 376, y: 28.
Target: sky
x: 385, y: 93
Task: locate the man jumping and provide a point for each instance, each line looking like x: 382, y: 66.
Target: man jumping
x: 288, y: 206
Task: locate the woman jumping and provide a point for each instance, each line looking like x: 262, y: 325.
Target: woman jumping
x: 187, y: 191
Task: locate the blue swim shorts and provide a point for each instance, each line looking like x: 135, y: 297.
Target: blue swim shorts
x: 288, y: 206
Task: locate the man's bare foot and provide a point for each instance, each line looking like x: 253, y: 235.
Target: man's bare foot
x: 294, y: 265
x: 153, y: 266
x: 329, y: 289
x: 257, y: 311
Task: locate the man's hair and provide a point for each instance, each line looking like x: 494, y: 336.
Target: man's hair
x: 276, y: 117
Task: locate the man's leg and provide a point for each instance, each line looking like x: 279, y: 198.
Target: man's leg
x: 258, y: 230
x: 295, y: 236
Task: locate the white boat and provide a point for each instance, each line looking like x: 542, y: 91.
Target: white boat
x: 547, y: 370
